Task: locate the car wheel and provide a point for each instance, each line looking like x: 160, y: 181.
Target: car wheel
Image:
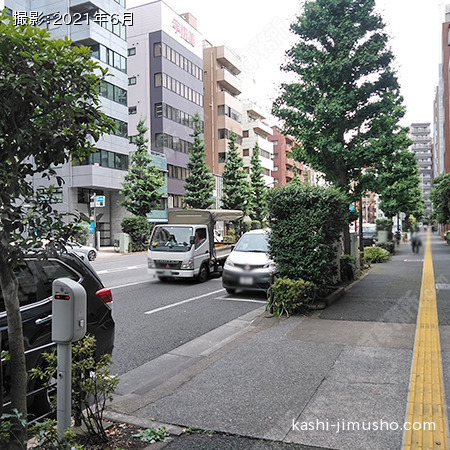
x: 231, y: 291
x: 91, y: 255
x: 203, y: 275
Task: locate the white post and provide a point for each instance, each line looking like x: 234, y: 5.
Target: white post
x: 64, y: 388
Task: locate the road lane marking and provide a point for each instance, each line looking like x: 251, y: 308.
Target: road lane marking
x: 173, y: 305
x: 129, y: 284
x: 121, y: 269
x: 242, y: 300
x: 426, y: 401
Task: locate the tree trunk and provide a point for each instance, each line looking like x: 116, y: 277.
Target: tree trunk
x: 18, y: 370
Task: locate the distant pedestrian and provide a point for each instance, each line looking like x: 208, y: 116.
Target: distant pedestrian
x: 415, y: 242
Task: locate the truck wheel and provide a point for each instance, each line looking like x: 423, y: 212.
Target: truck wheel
x: 231, y: 291
x: 203, y: 275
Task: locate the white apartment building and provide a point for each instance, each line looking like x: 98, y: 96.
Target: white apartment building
x: 100, y: 25
x: 255, y: 129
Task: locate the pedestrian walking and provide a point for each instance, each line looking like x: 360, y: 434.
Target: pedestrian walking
x: 415, y: 242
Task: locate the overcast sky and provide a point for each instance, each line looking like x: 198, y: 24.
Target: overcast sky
x: 257, y: 30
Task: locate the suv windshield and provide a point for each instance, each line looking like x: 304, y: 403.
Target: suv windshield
x: 171, y: 239
x: 253, y: 243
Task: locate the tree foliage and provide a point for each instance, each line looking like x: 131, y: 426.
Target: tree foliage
x: 199, y: 184
x: 258, y: 188
x: 398, y: 183
x: 440, y: 197
x: 143, y: 182
x: 235, y: 184
x: 345, y: 106
x: 50, y: 113
x: 306, y: 222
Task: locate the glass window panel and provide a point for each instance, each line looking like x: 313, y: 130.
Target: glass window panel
x: 103, y: 158
x: 157, y: 49
x: 158, y: 79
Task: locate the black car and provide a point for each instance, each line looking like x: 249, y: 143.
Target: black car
x: 35, y: 295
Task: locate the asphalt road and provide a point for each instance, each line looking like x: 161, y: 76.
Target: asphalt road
x: 152, y: 318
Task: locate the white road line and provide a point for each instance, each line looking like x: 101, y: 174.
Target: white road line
x: 129, y: 284
x: 153, y: 311
x: 120, y: 269
x: 241, y: 300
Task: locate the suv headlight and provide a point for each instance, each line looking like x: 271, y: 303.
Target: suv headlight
x: 189, y: 264
x: 269, y: 265
x: 228, y: 262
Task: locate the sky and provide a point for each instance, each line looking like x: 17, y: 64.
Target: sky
x: 258, y: 31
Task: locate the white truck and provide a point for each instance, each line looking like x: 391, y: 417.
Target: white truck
x: 185, y: 247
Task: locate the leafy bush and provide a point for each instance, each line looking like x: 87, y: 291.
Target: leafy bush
x: 290, y: 296
x: 139, y: 229
x: 348, y: 267
x: 306, y: 223
x: 376, y: 255
x: 92, y: 384
x: 389, y: 246
x: 384, y: 224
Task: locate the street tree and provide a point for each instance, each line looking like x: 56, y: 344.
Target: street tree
x: 398, y: 184
x: 345, y: 106
x: 50, y: 114
x: 235, y: 184
x: 440, y: 197
x: 142, y: 185
x: 199, y: 184
x: 258, y: 188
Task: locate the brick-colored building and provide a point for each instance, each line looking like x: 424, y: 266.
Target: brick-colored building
x: 283, y: 162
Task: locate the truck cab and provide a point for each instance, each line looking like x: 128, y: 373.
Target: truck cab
x: 185, y: 247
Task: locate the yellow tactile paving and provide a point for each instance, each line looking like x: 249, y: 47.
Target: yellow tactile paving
x: 426, y: 391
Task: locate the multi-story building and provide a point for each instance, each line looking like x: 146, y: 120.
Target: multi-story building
x: 100, y: 25
x: 223, y: 110
x: 442, y: 103
x: 284, y: 165
x: 165, y: 78
x: 255, y: 130
x: 422, y: 146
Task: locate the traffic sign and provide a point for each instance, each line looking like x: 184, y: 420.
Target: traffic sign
x: 99, y: 201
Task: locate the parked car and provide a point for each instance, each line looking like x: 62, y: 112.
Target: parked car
x: 369, y: 235
x: 35, y: 296
x: 79, y: 249
x: 249, y: 265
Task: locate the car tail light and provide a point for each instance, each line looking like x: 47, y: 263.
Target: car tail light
x: 105, y: 295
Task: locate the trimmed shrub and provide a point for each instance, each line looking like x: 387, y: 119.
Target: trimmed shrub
x: 376, y: 255
x: 385, y: 225
x: 290, y: 296
x: 139, y: 229
x: 306, y: 223
x: 389, y: 246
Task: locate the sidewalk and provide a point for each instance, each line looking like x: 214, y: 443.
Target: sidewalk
x: 300, y: 381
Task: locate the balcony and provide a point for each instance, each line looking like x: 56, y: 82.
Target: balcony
x: 261, y: 127
x: 228, y: 81
x: 228, y: 59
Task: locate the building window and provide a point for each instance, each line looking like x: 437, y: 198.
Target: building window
x: 173, y: 142
x: 246, y: 152
x: 105, y: 158
x: 132, y: 81
x: 171, y: 113
x: 224, y: 133
x: 131, y: 51
x: 157, y: 49
x: 166, y: 81
x: 121, y: 127
x: 245, y: 134
x: 222, y: 157
x: 132, y: 110
x: 224, y: 110
x: 114, y: 93
x: 109, y: 57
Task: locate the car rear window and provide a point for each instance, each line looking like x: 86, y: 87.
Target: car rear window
x: 27, y: 288
x: 50, y: 270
